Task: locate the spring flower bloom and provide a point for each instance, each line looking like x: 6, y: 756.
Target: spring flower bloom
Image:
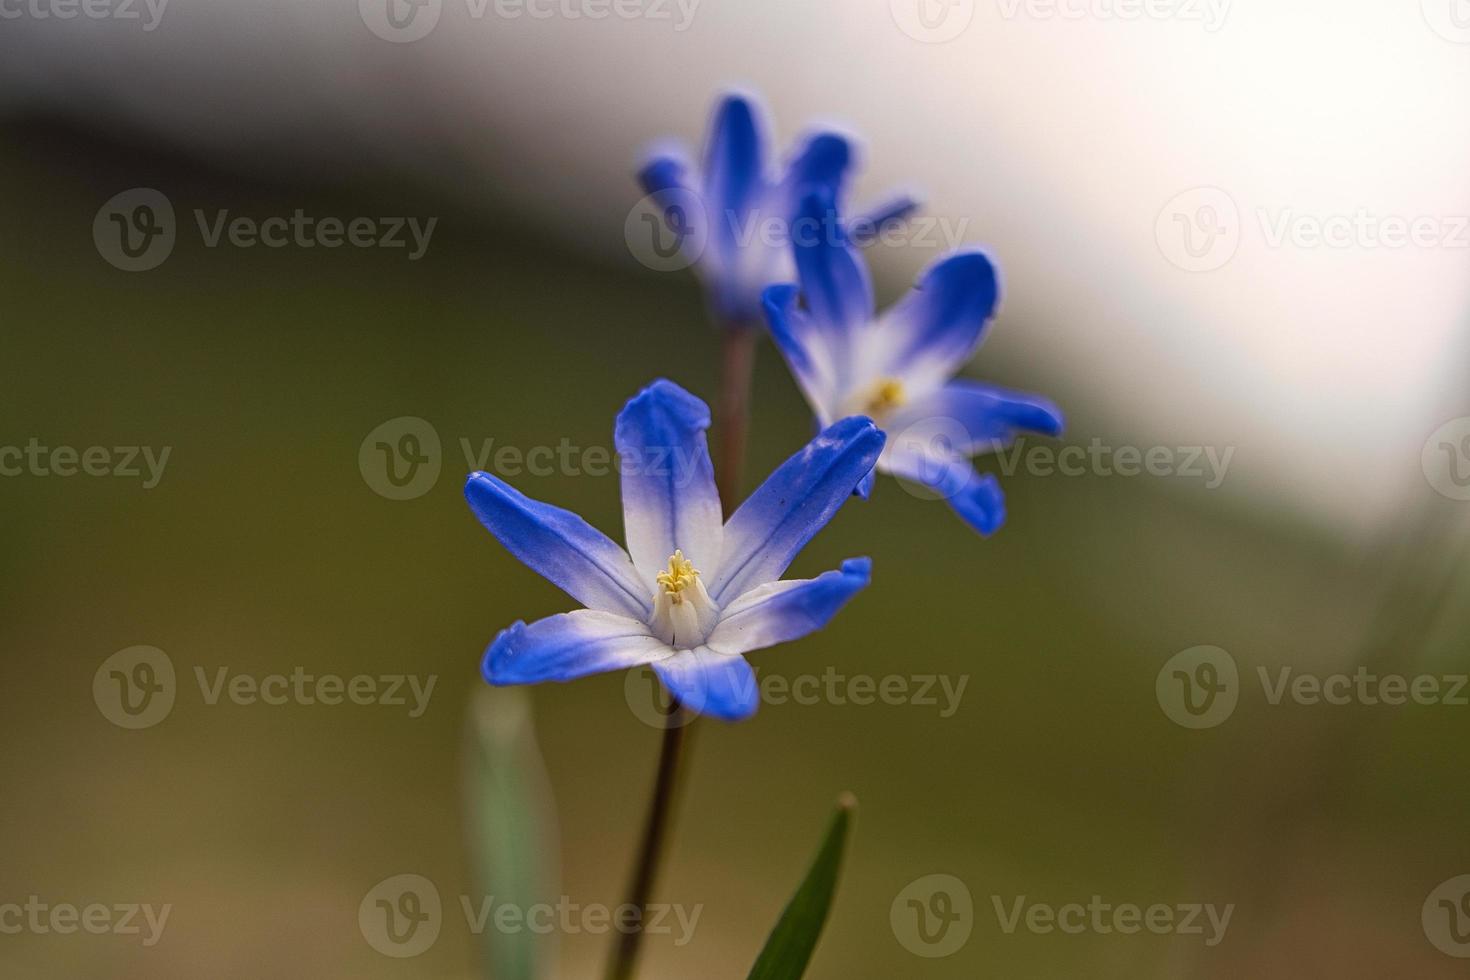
x: 897, y: 368
x: 733, y: 218
x: 693, y: 592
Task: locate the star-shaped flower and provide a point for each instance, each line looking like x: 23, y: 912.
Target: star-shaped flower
x: 897, y: 368
x: 693, y: 592
x: 733, y: 217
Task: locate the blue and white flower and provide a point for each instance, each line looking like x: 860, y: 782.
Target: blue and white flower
x: 693, y: 592
x: 732, y: 218
x: 897, y: 368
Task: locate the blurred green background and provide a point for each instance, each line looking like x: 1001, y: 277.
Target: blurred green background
x: 263, y: 549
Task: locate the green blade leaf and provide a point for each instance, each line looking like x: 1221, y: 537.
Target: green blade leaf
x: 789, y: 948
x: 511, y: 823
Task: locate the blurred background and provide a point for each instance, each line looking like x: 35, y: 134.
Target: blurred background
x: 1232, y: 232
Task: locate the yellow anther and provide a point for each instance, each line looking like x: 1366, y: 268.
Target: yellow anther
x: 888, y: 395
x: 680, y: 576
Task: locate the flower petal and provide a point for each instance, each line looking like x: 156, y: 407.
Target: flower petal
x: 804, y: 348
x: 709, y: 683
x: 734, y: 158
x: 834, y: 279
x: 929, y: 334
x: 976, y: 498
x: 569, y: 645
x: 781, y: 611
x: 822, y: 160
x: 666, y: 170
x: 991, y: 416
x: 794, y: 503
x: 669, y: 496
x: 575, y: 556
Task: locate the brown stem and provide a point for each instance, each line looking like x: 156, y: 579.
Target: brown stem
x: 656, y: 832
x: 732, y: 419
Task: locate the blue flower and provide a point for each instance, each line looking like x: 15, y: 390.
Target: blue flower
x: 733, y: 218
x: 897, y: 368
x: 692, y: 592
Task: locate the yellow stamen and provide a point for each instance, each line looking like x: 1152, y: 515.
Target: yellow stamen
x: 680, y: 576
x: 887, y: 396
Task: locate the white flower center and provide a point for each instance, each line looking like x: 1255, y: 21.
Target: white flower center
x: 877, y: 400
x: 683, y: 612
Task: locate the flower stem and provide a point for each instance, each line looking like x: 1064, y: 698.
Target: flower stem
x: 733, y: 417
x: 656, y: 832
x: 737, y: 362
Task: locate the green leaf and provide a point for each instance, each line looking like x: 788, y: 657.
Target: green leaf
x: 512, y: 827
x: 789, y: 948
